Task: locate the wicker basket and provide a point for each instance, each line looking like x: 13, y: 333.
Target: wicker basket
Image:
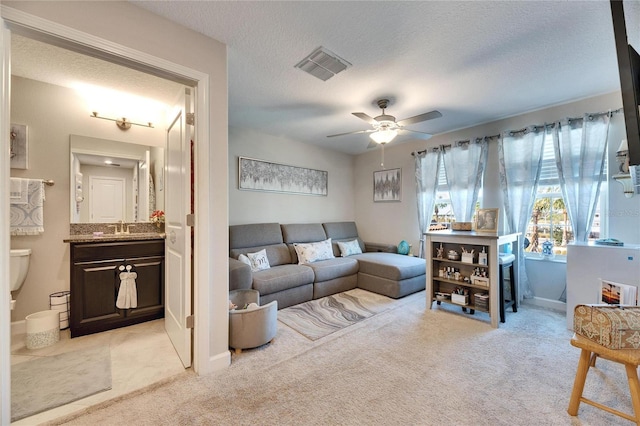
x: 481, y: 301
x: 461, y: 226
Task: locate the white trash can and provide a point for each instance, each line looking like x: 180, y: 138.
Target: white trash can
x: 43, y: 329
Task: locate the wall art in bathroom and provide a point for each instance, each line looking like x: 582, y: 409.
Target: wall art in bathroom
x: 19, y: 147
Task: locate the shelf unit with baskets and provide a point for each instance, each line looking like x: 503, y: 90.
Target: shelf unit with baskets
x: 450, y: 274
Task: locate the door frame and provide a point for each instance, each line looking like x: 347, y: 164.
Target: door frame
x: 203, y: 360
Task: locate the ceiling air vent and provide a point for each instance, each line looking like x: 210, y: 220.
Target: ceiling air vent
x: 323, y: 64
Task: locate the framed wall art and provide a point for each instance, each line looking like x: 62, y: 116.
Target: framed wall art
x: 19, y: 147
x: 260, y: 175
x: 387, y: 185
x: 487, y: 220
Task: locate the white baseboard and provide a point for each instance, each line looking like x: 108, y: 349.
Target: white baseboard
x: 555, y: 305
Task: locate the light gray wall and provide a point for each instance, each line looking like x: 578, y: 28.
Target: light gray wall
x: 403, y: 215
x: 52, y: 114
x: 258, y: 206
x: 393, y: 222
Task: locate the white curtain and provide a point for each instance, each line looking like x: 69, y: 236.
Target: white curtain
x: 464, y: 165
x: 519, y: 161
x: 580, y: 149
x: 427, y: 166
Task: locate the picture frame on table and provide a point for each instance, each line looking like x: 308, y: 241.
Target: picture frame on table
x: 487, y: 220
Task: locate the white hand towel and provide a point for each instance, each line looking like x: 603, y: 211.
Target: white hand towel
x: 18, y: 192
x: 128, y: 293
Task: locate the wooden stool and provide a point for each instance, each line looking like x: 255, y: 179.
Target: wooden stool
x: 506, y: 261
x: 590, y: 351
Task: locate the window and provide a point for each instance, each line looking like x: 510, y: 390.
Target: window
x: 549, y: 219
x: 442, y: 211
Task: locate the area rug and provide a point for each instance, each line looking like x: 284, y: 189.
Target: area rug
x: 321, y: 317
x: 51, y: 381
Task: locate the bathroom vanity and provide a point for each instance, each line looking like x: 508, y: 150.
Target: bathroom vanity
x: 96, y: 265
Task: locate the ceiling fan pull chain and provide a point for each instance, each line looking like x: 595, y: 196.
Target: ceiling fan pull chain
x: 382, y: 163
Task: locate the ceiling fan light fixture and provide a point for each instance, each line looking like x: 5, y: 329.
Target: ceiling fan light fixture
x: 383, y: 136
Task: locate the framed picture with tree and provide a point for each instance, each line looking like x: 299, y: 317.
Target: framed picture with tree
x: 487, y: 220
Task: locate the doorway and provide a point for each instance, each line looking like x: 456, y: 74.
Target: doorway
x: 105, y: 194
x: 201, y: 275
x: 107, y: 199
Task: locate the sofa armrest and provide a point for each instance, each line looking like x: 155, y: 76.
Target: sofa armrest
x: 380, y: 247
x: 240, y: 275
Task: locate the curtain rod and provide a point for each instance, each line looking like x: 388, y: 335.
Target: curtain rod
x: 449, y: 145
x: 512, y: 132
x: 570, y: 119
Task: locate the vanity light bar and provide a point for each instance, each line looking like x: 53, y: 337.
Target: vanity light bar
x: 122, y: 123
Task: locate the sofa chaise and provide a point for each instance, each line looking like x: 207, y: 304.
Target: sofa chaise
x: 291, y: 280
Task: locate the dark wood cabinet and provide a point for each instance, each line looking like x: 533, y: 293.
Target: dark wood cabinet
x: 95, y: 282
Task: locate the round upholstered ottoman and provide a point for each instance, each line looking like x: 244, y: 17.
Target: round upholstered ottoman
x: 253, y: 326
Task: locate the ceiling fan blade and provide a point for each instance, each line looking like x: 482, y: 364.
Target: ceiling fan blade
x: 365, y: 117
x: 423, y: 135
x: 418, y: 118
x: 351, y: 133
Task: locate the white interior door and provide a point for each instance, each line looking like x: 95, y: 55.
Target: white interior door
x: 107, y: 199
x: 178, y: 234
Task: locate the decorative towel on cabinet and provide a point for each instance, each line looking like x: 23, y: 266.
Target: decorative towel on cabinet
x: 127, y: 294
x: 27, y: 218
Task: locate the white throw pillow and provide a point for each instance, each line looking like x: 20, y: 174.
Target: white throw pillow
x: 244, y: 259
x: 313, y: 252
x: 347, y: 248
x: 259, y: 260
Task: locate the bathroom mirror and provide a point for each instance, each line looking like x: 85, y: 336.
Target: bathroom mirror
x: 112, y: 181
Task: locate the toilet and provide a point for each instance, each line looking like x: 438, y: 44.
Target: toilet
x: 18, y: 269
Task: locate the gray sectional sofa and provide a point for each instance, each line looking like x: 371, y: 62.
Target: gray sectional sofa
x: 378, y: 268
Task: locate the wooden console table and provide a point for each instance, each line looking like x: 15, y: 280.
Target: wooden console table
x: 471, y: 240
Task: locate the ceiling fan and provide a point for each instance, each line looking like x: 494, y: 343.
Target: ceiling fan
x: 386, y: 128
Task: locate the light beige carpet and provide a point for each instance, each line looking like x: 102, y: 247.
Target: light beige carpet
x: 318, y: 318
x: 51, y: 381
x: 408, y: 365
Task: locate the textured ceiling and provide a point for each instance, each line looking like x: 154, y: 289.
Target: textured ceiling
x: 43, y: 62
x: 473, y: 61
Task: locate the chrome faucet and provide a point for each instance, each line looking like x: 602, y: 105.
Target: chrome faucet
x: 122, y: 226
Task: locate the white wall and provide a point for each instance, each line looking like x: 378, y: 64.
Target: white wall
x: 403, y: 215
x: 258, y: 206
x: 393, y: 222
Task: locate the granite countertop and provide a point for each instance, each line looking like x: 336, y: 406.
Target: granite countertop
x: 112, y: 237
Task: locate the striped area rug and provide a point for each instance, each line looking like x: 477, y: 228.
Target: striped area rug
x: 318, y: 318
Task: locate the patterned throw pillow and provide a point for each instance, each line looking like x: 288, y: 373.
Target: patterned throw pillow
x: 347, y: 248
x: 259, y: 260
x: 313, y: 252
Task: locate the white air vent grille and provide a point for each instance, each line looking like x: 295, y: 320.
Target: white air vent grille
x: 323, y: 64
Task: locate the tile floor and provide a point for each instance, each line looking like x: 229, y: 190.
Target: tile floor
x: 141, y: 355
